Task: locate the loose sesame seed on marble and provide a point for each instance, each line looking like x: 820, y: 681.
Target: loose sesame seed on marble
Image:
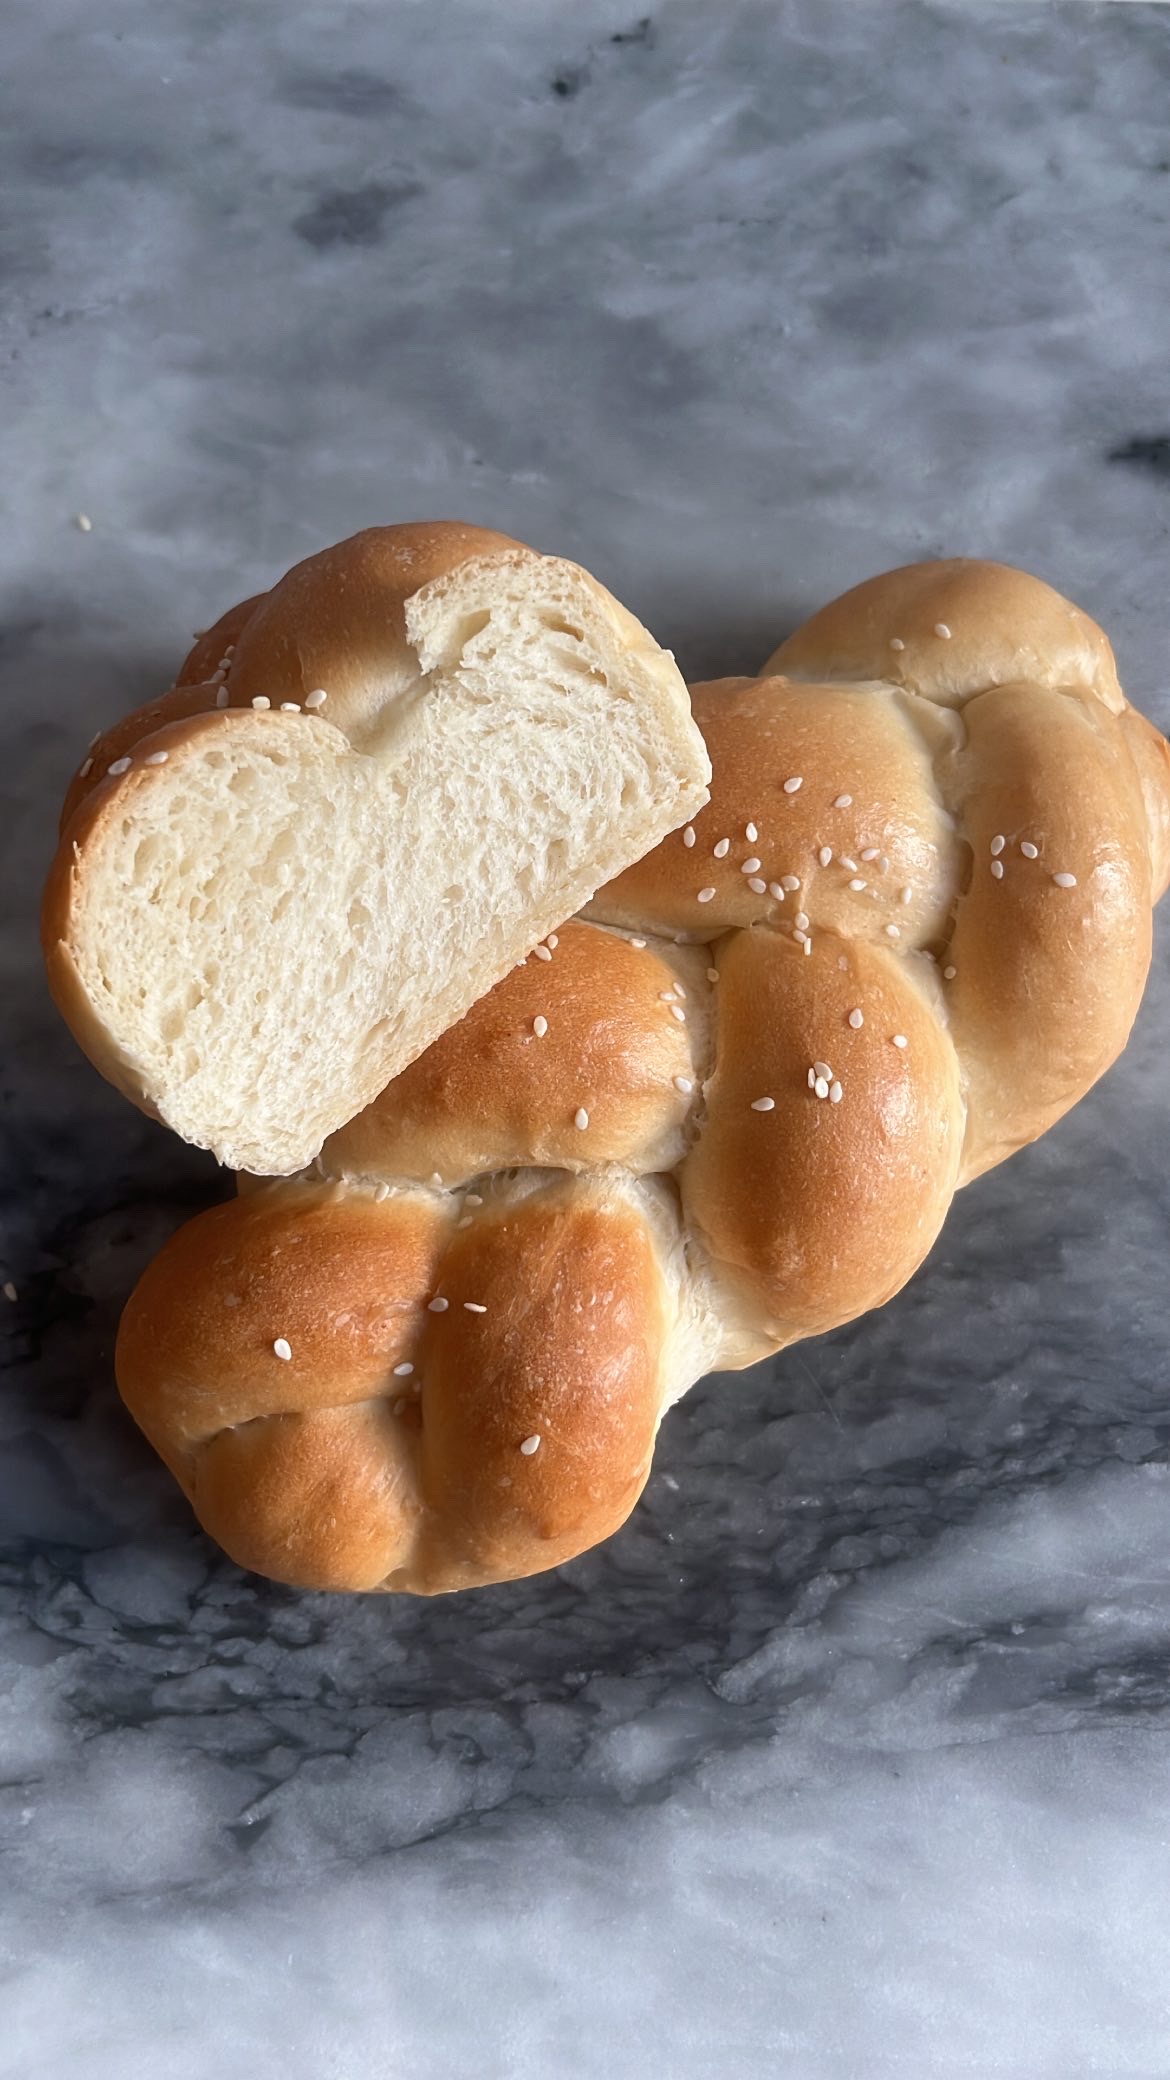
x: 722, y: 849
x: 689, y: 836
x: 120, y: 765
x: 900, y: 1040
x: 794, y: 783
x: 751, y: 865
x: 317, y: 698
x: 86, y: 769
x: 712, y: 974
x: 530, y: 1445
x: 758, y: 887
x: 83, y: 523
x: 997, y: 844
x: 750, y: 833
x: 157, y: 758
x: 1061, y: 880
x: 222, y: 697
x: 790, y: 883
x: 949, y: 974
x: 825, y: 856
x: 677, y: 1012
x: 438, y: 1305
x: 941, y: 629
x: 896, y: 643
x: 892, y: 932
x: 997, y: 869
x: 542, y: 953
x: 475, y: 1307
x: 857, y: 1018
x: 843, y: 801
x: 820, y: 1086
x: 1029, y: 850
x: 684, y: 1084
x: 404, y: 1370
x: 857, y: 884
x: 705, y: 895
x: 540, y: 1026
x: 282, y: 1348
x: 581, y: 1118
x: 835, y: 1093
x: 763, y: 1104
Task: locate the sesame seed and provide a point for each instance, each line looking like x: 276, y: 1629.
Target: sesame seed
x: 666, y: 996
x: 86, y: 769
x: 381, y: 1193
x: 857, y: 1018
x: 791, y: 882
x: 812, y: 1079
x: 723, y: 848
x: 676, y: 1011
x: 639, y: 943
x: 820, y: 1087
x: 552, y: 941
x: 843, y: 801
x: 684, y: 1084
x: 808, y: 945
x: 800, y: 936
x: 871, y: 852
x: 774, y: 889
x: 941, y: 629
x: 475, y: 1307
x: 900, y: 1040
x: 949, y: 974
x: 466, y: 1221
x: 530, y: 1445
x: 120, y: 765
x: 222, y: 697
x: 997, y: 845
x: 474, y: 1199
x: 896, y: 643
x: 581, y: 1118
x: 542, y: 953
x: 750, y: 865
x: 9, y: 1290
x: 712, y: 974
x: 290, y: 707
x: 689, y: 836
x: 825, y: 856
x: 317, y: 698
x: 884, y: 864
x: 705, y: 895
x: 438, y: 1305
x: 93, y: 740
x: 892, y: 932
x: 157, y: 758
x: 83, y: 523
x: 835, y: 1093
x: 906, y: 895
x: 283, y: 1348
x: 540, y: 1027
x: 801, y: 921
x: 404, y: 1370
x: 822, y: 1069
x: 680, y: 991
x: 997, y: 869
x: 758, y: 887
x: 857, y: 884
x: 794, y: 783
x: 763, y: 1104
x: 217, y: 675
x: 850, y: 865
x: 400, y: 1406
x: 1029, y: 850
x: 750, y: 833
x: 436, y: 1177
x: 261, y: 700
x: 1061, y: 880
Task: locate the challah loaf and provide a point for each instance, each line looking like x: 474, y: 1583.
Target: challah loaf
x: 726, y: 1109
x: 366, y: 797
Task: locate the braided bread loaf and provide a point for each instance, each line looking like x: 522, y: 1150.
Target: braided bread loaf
x: 724, y: 1109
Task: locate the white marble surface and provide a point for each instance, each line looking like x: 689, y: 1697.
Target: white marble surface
x: 849, y: 1756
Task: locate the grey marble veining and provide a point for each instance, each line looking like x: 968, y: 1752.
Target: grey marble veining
x: 848, y: 1757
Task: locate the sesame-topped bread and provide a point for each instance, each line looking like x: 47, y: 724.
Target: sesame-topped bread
x: 369, y: 793
x: 726, y: 1110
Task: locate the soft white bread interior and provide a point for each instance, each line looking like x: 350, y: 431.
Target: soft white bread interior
x: 423, y: 750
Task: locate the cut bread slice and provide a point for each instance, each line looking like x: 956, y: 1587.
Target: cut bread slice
x: 252, y: 924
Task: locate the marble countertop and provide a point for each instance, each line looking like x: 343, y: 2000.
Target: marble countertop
x: 848, y: 1757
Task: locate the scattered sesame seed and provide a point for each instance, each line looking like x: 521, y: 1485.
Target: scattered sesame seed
x: 684, y: 1084
x: 857, y: 884
x: 261, y: 700
x: 157, y: 758
x: 763, y: 1104
x: 404, y: 1370
x: 83, y: 523
x: 217, y: 675
x: 466, y: 1221
x: 800, y: 936
x: 290, y: 707
x: 680, y: 991
x: 906, y: 895
x: 475, y: 1307
x: 436, y: 1177
x: 1029, y: 850
x: 689, y: 836
x: 283, y: 1348
x: 723, y: 848
x: 438, y: 1305
x: 400, y: 1406
x: 843, y: 801
x: 676, y: 1011
x: 750, y: 833
x: 666, y: 996
x: 850, y: 865
x: 812, y: 1079
x: 542, y: 953
x: 808, y: 945
x: 825, y: 856
x: 751, y: 865
x: 317, y: 698
x: 552, y: 941
x: 949, y: 974
x: 705, y: 895
x: 1061, y: 880
x: 86, y: 769
x: 892, y: 932
x: 857, y: 1018
x: 997, y: 869
x: 540, y: 1026
x: 774, y: 889
x: 823, y: 1069
x: 871, y: 852
x: 120, y: 765
x: 801, y: 921
x: 835, y: 1092
x: 941, y: 629
x: 758, y: 887
x: 93, y: 740
x: 820, y: 1087
x: 530, y: 1445
x: 474, y: 1199
x: 639, y: 943
x: 900, y: 1040
x: 794, y: 783
x: 997, y: 845
x: 896, y: 643
x: 791, y: 882
x: 9, y: 1290
x: 381, y: 1193
x: 222, y: 697
x: 581, y: 1118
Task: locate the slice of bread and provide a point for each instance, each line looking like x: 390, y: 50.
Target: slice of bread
x: 276, y: 905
